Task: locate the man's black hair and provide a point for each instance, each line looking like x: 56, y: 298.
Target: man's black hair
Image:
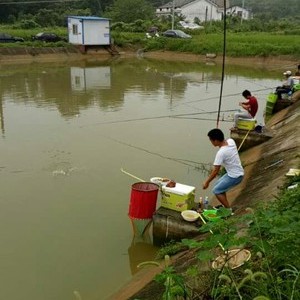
x: 216, y: 134
x: 246, y: 93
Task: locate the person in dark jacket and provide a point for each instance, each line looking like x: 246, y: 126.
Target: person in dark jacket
x: 287, y: 86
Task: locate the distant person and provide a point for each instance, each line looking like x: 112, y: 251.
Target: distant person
x: 298, y: 71
x: 287, y: 86
x: 250, y: 107
x: 228, y: 157
x: 153, y: 31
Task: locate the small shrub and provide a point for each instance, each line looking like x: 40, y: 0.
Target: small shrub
x: 28, y: 24
x: 170, y: 248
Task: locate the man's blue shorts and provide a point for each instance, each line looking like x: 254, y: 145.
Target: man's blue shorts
x: 225, y: 183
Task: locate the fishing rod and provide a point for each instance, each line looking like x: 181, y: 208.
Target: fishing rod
x: 226, y: 96
x: 162, y: 117
x: 223, y: 64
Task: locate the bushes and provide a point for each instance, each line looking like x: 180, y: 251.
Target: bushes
x: 28, y: 24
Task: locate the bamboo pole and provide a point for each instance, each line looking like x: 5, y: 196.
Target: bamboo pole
x: 131, y: 175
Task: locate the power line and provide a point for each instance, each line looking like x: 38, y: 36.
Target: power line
x: 37, y: 1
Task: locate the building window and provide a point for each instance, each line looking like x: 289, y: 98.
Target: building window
x: 75, y: 29
x: 77, y: 80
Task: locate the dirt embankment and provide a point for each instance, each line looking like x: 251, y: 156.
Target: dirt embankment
x: 48, y: 54
x: 265, y: 169
x: 58, y: 54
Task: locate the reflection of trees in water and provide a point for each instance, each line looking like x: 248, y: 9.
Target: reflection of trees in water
x: 2, y: 117
x: 46, y: 87
x: 145, y: 77
x: 49, y: 85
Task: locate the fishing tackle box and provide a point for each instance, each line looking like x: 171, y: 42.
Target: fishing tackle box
x: 179, y: 198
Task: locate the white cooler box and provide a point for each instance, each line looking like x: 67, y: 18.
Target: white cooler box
x: 179, y: 198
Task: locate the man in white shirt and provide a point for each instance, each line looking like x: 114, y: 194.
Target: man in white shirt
x: 287, y: 86
x: 228, y: 157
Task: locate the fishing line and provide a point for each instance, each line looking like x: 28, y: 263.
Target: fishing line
x: 202, y: 119
x: 248, y: 80
x: 213, y: 98
x: 196, y: 165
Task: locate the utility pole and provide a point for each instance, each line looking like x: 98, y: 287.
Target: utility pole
x: 173, y: 14
x: 243, y: 5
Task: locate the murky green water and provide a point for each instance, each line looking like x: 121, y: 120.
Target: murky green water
x: 67, y: 130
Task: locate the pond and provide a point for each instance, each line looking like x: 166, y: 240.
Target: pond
x: 67, y: 130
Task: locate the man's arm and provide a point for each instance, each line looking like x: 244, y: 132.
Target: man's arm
x: 212, y: 175
x: 245, y: 105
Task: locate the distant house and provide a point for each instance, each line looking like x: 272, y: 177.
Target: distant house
x: 89, y: 31
x: 241, y: 12
x: 204, y: 10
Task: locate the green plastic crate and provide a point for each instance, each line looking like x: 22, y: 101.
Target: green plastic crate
x: 296, y: 87
x: 272, y: 98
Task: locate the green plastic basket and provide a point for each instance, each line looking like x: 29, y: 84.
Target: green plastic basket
x: 211, y: 215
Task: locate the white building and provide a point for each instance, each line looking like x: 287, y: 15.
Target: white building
x: 241, y: 12
x: 204, y: 10
x: 88, y: 31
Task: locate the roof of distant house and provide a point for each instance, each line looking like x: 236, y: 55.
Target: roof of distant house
x: 88, y: 18
x: 180, y: 3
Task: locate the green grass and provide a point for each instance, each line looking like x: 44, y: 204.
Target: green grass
x: 26, y: 34
x: 237, y: 44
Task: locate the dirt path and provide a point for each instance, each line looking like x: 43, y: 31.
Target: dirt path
x: 269, y: 63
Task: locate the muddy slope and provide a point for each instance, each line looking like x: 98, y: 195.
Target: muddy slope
x: 265, y: 169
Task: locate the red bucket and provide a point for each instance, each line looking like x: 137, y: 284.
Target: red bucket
x: 143, y: 200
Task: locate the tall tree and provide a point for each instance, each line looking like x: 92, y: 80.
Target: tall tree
x: 130, y: 10
x: 275, y: 9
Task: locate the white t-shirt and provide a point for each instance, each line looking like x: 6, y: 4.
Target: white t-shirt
x: 228, y: 157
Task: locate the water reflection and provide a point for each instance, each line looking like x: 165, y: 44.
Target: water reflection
x: 141, y: 250
x: 105, y: 85
x: 2, y: 118
x: 83, y: 79
x: 74, y: 89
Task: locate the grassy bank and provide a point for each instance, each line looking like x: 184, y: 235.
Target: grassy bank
x: 238, y: 44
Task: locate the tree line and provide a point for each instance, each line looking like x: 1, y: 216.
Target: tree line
x: 271, y: 9
x: 45, y: 13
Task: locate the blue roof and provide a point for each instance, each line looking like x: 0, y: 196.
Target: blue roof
x: 89, y: 18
